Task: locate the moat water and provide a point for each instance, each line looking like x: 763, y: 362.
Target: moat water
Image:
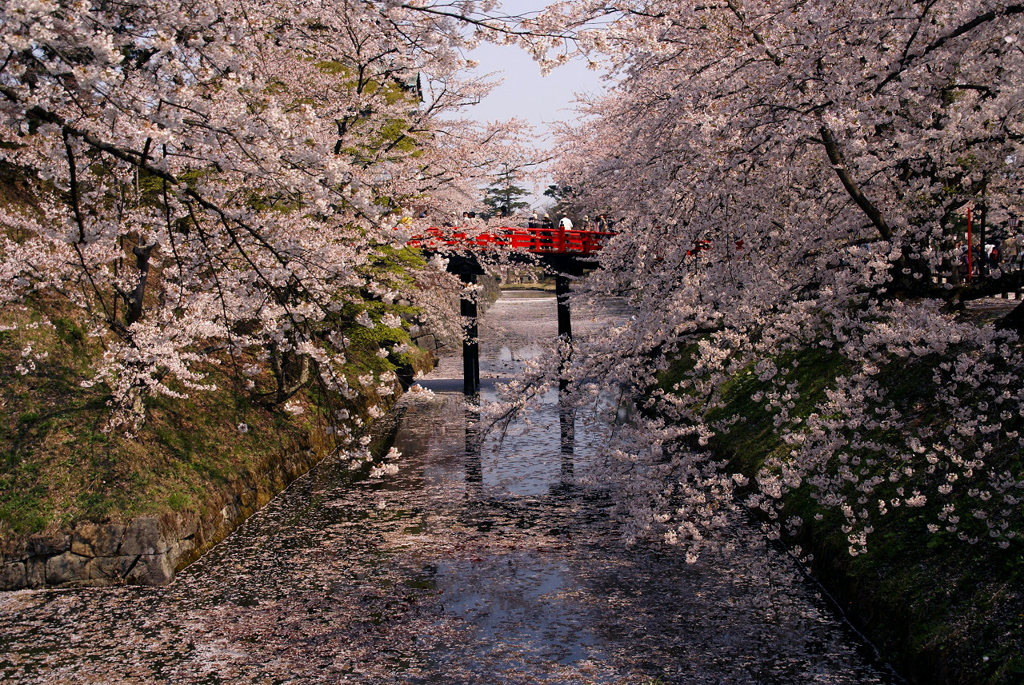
x: 479, y: 562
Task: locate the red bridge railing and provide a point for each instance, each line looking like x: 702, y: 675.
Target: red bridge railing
x: 535, y: 240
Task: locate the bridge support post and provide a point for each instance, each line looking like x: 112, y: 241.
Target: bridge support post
x: 470, y: 342
x: 564, y: 315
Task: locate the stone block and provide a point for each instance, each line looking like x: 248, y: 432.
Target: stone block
x: 48, y: 545
x: 14, y: 549
x: 13, y: 576
x: 188, y: 524
x: 143, y: 535
x: 426, y: 342
x: 111, y: 568
x: 35, y: 573
x: 65, y: 568
x: 153, y: 569
x: 181, y: 548
x: 97, y: 540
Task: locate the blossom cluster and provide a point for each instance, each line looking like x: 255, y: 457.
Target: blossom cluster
x: 792, y: 176
x: 220, y: 181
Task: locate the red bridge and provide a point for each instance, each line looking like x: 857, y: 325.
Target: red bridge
x: 562, y: 251
x: 550, y: 241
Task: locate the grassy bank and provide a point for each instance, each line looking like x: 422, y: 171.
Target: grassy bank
x: 940, y: 610
x: 59, y: 465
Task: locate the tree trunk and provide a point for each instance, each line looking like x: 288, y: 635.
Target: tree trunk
x: 135, y: 300
x: 291, y: 372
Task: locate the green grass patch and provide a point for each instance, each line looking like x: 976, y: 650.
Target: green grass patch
x: 58, y: 464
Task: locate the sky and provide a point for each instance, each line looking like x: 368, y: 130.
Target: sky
x: 526, y: 94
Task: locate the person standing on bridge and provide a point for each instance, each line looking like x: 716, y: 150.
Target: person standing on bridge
x: 1010, y: 250
x: 565, y: 224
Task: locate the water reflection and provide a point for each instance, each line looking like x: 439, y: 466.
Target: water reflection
x: 472, y: 466
x: 567, y: 429
x: 482, y: 561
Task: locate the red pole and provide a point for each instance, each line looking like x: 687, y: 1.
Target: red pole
x: 970, y: 264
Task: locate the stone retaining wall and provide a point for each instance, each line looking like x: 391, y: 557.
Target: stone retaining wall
x: 147, y: 550
x: 144, y: 551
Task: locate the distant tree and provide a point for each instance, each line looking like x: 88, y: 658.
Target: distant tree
x: 557, y: 192
x: 503, y: 196
x: 562, y: 195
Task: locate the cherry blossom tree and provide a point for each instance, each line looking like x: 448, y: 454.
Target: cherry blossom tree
x: 792, y: 176
x: 216, y: 182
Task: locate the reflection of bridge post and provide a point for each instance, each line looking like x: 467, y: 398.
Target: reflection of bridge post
x: 567, y: 426
x: 566, y: 414
x: 472, y: 467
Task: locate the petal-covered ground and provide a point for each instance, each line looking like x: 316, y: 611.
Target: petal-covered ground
x: 477, y: 563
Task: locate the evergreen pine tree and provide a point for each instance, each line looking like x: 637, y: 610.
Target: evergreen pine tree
x: 503, y: 196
